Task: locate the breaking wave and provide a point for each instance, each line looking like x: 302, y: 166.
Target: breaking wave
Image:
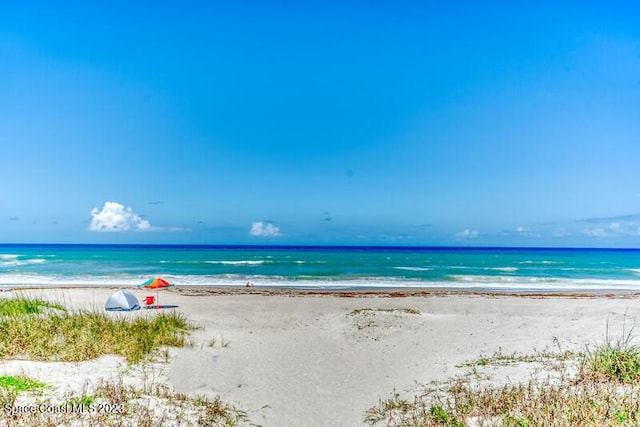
x: 253, y: 262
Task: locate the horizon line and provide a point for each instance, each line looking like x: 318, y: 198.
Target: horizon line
x: 319, y: 246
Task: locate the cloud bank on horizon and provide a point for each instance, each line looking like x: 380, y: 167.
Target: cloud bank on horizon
x: 115, y: 217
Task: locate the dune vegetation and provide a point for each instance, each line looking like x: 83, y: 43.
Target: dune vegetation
x: 35, y: 329
x: 599, y: 386
x: 38, y: 330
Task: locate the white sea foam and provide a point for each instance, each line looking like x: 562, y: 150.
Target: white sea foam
x: 254, y: 262
x: 310, y: 262
x: 545, y: 262
x: 545, y: 283
x: 38, y: 280
x: 500, y: 279
x: 13, y: 262
x: 414, y: 268
x: 505, y: 269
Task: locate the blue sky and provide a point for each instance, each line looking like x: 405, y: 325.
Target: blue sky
x: 404, y: 123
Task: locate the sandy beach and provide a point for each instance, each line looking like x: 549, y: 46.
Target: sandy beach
x: 322, y: 359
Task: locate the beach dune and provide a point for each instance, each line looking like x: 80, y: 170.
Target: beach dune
x: 292, y: 359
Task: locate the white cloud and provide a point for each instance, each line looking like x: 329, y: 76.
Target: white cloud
x: 595, y: 232
x: 264, y: 229
x: 523, y: 232
x: 173, y: 229
x: 610, y: 227
x: 115, y: 217
x: 467, y: 234
x: 395, y: 237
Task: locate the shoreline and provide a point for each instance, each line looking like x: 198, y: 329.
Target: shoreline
x: 343, y: 292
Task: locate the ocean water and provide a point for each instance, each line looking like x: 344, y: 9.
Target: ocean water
x: 491, y: 269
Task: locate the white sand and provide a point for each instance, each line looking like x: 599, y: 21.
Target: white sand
x: 306, y: 361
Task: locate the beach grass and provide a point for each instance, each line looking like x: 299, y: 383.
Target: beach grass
x: 214, y: 343
x: 596, y: 387
x: 154, y: 404
x: 499, y: 358
x: 18, y: 306
x: 216, y: 412
x: 12, y: 385
x: 612, y: 363
x: 84, y: 335
x: 39, y: 330
x: 616, y: 360
x: 366, y: 311
x: 461, y: 402
x: 20, y: 383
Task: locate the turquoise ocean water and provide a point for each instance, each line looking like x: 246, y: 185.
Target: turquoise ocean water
x: 494, y: 269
